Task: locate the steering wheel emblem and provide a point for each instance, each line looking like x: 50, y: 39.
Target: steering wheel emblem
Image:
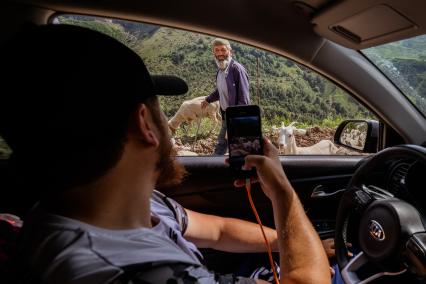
x: 376, y: 230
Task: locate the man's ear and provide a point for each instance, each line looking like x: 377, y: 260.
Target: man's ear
x: 145, y: 126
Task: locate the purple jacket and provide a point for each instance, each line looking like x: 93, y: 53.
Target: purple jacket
x: 238, y: 86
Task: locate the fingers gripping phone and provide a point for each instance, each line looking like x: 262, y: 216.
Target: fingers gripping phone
x: 244, y: 137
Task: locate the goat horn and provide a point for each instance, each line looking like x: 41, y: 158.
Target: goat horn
x: 291, y: 124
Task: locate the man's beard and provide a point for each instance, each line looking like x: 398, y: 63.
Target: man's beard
x: 223, y: 64
x: 171, y: 172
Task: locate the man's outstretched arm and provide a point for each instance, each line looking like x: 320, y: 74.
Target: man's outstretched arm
x: 214, y: 96
x: 302, y: 256
x: 227, y: 234
x: 234, y: 235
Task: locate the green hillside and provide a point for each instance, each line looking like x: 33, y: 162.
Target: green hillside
x: 286, y: 91
x: 413, y: 48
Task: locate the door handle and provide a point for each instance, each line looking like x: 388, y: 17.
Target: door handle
x: 318, y: 192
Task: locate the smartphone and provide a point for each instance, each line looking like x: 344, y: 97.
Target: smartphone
x: 244, y: 137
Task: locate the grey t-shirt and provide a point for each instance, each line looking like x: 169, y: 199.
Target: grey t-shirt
x: 64, y: 250
x: 222, y: 88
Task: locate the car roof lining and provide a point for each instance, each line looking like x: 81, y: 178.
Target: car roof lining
x: 361, y: 24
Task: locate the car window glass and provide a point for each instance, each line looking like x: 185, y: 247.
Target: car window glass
x: 404, y: 63
x: 288, y: 93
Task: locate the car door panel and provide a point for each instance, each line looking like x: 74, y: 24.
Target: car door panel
x: 209, y: 188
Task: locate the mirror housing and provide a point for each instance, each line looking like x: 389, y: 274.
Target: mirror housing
x: 358, y: 135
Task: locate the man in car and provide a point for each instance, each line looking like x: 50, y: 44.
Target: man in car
x: 90, y: 140
x: 232, y: 87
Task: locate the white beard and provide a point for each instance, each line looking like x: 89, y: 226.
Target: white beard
x: 223, y: 64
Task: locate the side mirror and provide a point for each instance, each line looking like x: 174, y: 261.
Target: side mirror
x: 358, y: 135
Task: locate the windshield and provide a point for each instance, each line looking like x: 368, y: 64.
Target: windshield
x: 404, y: 63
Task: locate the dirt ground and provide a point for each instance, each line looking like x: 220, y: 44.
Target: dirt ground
x: 314, y: 135
x: 206, y: 146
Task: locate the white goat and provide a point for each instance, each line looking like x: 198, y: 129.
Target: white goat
x: 191, y: 110
x: 287, y: 142
x: 186, y: 153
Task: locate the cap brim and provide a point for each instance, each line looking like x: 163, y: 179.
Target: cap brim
x: 167, y: 85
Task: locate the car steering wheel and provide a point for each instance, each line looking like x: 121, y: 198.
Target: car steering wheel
x: 389, y: 231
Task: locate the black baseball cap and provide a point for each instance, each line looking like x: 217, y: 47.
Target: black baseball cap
x: 70, y: 80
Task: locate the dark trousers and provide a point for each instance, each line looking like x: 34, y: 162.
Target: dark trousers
x: 222, y: 142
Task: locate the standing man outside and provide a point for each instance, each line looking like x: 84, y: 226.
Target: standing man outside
x: 232, y: 87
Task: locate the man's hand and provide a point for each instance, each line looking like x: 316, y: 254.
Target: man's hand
x: 328, y: 245
x: 330, y: 250
x: 204, y: 104
x: 269, y: 171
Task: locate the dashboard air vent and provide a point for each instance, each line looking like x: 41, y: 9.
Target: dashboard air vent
x: 398, y: 177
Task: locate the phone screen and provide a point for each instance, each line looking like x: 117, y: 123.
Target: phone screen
x: 244, y: 136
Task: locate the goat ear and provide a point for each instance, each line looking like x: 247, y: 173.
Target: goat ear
x: 293, y: 123
x: 300, y: 131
